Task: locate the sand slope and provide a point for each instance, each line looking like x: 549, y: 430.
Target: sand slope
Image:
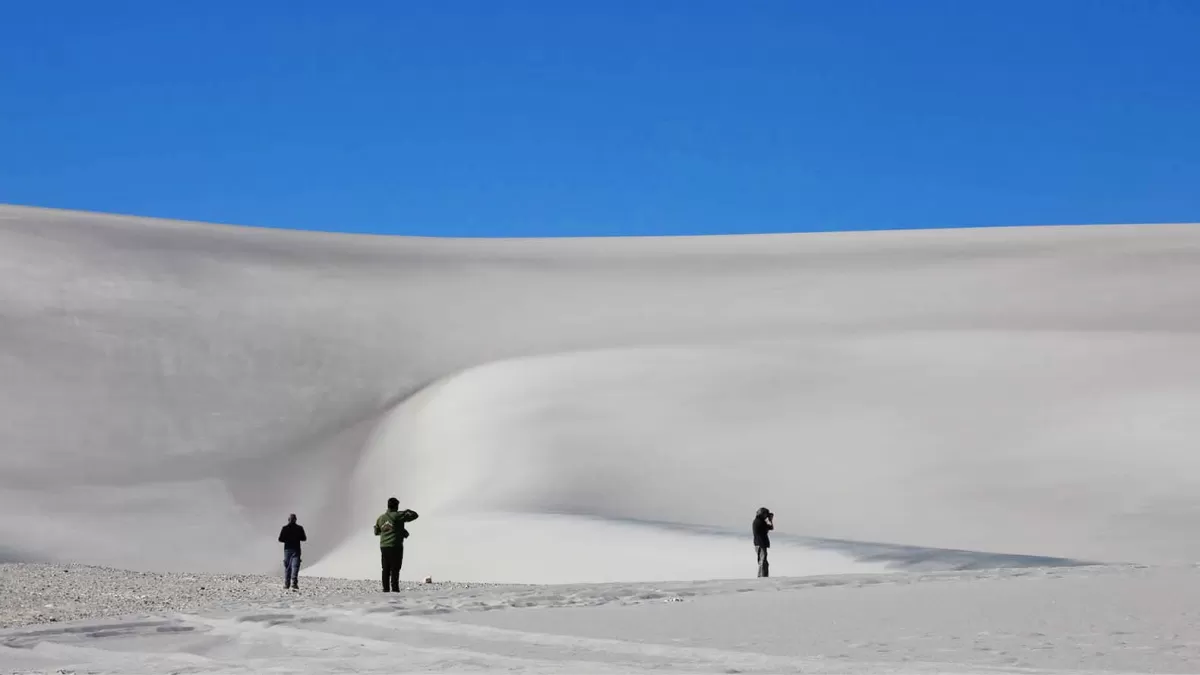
x: 170, y: 391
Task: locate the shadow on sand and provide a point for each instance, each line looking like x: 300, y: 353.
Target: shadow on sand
x: 895, y: 556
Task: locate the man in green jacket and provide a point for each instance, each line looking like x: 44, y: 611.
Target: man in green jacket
x: 389, y: 527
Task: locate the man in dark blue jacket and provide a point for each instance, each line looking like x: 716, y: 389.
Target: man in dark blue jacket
x: 764, y: 522
x: 291, y: 535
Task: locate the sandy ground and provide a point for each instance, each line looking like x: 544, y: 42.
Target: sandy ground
x: 32, y: 593
x: 1108, y: 619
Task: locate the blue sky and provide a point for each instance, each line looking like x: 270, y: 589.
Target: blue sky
x: 561, y: 118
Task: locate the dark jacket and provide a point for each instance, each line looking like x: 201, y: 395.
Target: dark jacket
x: 291, y: 535
x: 761, y: 528
x: 390, y: 527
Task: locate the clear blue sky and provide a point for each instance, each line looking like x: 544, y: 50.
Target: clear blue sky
x: 565, y: 117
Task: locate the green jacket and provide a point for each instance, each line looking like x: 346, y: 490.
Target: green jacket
x: 391, y: 524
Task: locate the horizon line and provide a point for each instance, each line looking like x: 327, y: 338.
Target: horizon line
x: 366, y: 231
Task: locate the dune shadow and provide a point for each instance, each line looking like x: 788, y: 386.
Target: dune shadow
x: 900, y: 557
x: 311, y: 475
x: 921, y: 559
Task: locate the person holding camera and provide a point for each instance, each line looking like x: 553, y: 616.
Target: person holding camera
x: 390, y: 529
x: 764, y: 522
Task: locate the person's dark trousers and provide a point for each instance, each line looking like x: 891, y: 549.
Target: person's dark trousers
x: 391, y: 558
x: 291, y: 568
x: 764, y: 567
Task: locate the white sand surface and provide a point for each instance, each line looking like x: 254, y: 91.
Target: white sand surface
x: 613, y: 411
x: 172, y: 390
x: 1127, y: 619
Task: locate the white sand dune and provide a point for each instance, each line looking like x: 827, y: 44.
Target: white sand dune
x: 172, y: 390
x: 612, y: 411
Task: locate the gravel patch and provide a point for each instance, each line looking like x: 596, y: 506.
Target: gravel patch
x: 45, y: 594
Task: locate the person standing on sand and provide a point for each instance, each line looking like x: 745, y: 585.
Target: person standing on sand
x: 764, y: 522
x: 390, y: 529
x: 291, y: 535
